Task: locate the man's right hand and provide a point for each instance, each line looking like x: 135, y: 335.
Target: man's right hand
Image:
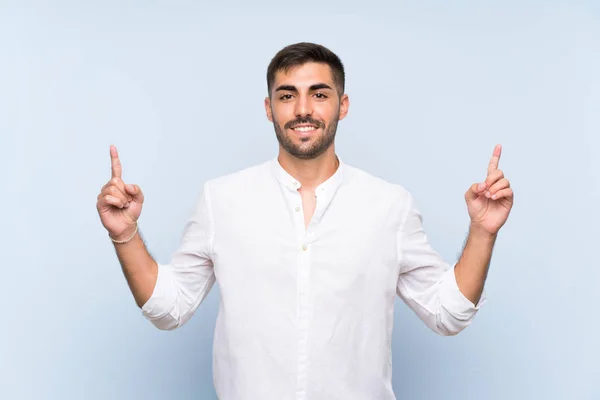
x: 119, y: 205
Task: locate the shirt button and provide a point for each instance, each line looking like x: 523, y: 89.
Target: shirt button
x: 297, y: 209
x: 304, y: 247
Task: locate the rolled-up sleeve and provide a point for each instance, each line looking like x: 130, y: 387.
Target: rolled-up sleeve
x: 184, y: 283
x: 427, y: 284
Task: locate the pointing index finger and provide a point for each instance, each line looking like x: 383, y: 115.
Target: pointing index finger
x: 493, y: 165
x: 115, y: 162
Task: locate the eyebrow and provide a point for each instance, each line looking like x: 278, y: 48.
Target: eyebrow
x: 291, y: 88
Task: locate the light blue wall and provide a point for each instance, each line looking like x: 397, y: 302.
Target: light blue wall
x: 178, y: 87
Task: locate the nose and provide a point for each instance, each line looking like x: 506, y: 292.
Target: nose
x: 303, y: 106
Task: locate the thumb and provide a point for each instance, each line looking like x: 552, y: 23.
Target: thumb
x: 474, y: 191
x: 135, y: 192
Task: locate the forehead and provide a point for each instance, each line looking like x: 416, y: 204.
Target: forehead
x: 305, y: 75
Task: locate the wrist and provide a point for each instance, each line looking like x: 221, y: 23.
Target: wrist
x: 479, y: 232
x: 126, y: 236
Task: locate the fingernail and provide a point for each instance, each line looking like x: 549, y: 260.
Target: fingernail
x: 481, y: 186
x: 130, y: 187
x: 488, y: 194
x: 494, y: 197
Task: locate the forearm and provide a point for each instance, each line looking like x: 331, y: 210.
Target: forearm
x: 139, y: 268
x: 472, y: 267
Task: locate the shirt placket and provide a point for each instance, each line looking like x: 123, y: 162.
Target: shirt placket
x: 305, y: 238
x: 302, y: 299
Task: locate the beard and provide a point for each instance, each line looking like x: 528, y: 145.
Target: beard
x: 309, y: 147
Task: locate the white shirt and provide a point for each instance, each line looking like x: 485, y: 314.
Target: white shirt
x: 306, y: 313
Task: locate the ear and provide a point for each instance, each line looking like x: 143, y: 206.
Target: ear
x: 268, y: 109
x: 344, y: 105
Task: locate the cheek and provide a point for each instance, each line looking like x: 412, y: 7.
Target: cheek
x: 327, y: 111
x: 282, y: 115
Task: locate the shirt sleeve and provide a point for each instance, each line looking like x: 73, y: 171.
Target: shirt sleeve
x: 427, y: 284
x: 185, y: 282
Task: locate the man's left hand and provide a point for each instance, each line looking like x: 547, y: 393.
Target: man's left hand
x: 489, y: 202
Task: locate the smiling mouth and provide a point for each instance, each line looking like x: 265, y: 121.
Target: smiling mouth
x: 305, y: 128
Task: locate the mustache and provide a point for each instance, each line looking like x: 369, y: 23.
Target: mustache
x: 304, y: 120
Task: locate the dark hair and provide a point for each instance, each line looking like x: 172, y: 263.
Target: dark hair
x: 299, y: 54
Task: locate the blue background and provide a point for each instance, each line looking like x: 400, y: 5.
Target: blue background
x: 179, y: 88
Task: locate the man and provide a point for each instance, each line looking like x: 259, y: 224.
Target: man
x: 308, y: 252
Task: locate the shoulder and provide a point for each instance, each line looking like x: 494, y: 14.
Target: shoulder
x: 361, y: 180
x: 380, y: 197
x: 241, y: 180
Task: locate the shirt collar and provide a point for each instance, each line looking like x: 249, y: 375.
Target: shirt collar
x: 287, y: 180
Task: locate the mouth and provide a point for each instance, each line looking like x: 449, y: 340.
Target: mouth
x: 304, y: 129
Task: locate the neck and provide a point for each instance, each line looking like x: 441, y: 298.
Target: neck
x: 310, y: 173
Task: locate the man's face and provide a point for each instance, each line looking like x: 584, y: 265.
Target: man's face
x: 305, y: 108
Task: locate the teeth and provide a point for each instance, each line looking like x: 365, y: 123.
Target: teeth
x: 305, y: 128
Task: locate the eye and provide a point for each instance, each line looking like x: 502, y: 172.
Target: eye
x: 285, y: 97
x: 320, y: 96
